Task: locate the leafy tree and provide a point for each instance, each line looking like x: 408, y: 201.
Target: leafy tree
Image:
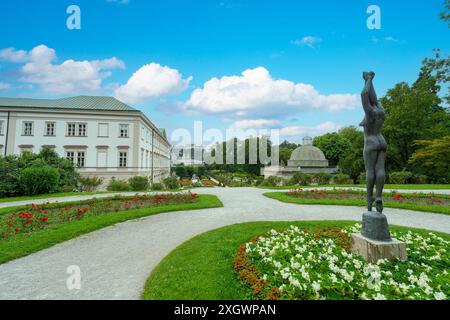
x: 333, y: 145
x: 352, y: 162
x: 433, y: 155
x: 413, y: 113
x: 285, y: 151
x: 12, y: 166
x: 445, y: 15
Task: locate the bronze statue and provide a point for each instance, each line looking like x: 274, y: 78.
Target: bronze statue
x: 375, y: 145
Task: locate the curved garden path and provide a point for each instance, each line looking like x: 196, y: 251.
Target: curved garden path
x: 116, y: 261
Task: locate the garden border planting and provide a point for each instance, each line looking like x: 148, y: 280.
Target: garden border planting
x: 203, y: 267
x: 285, y: 197
x: 27, y: 243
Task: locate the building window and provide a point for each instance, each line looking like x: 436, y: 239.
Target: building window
x: 49, y: 128
x: 123, y: 157
x: 2, y: 127
x: 77, y: 129
x: 123, y: 130
x: 82, y: 129
x: 70, y: 155
x: 81, y: 159
x: 77, y: 157
x: 71, y: 129
x: 27, y: 128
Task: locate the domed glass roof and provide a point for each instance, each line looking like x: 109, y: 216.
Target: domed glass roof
x: 307, y: 153
x: 308, y: 156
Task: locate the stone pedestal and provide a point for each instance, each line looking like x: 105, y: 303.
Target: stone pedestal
x: 375, y: 226
x: 374, y: 250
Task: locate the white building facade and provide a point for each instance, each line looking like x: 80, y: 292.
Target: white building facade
x: 101, y: 135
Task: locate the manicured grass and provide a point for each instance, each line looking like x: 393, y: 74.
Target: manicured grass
x: 387, y: 202
x: 74, y: 194
x: 25, y: 244
x: 202, y: 268
x: 387, y: 186
x: 51, y: 195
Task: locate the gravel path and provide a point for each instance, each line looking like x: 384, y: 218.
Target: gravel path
x: 116, y: 261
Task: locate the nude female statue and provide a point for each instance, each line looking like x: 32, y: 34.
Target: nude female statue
x: 375, y: 145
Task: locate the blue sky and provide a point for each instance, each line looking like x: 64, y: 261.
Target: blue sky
x: 304, y: 58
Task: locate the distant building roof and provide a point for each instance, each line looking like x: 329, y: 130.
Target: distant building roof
x: 78, y: 102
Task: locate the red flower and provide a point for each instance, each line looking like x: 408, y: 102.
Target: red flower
x: 10, y: 223
x: 28, y: 222
x: 85, y: 210
x: 16, y: 230
x: 194, y: 195
x: 44, y: 219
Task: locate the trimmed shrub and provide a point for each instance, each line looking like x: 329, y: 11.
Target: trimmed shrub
x: 342, y: 178
x: 138, y: 183
x: 68, y: 189
x: 157, y: 186
x: 90, y: 184
x: 171, y: 183
x: 39, y: 180
x: 272, y: 182
x: 9, y: 176
x: 362, y: 178
x: 419, y: 179
x: 400, y: 177
x: 321, y: 178
x: 118, y: 185
x: 302, y: 179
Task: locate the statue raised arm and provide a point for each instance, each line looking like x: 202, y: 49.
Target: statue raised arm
x: 375, y: 145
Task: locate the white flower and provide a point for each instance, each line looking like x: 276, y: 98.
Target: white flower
x: 315, y: 286
x: 333, y: 278
x: 440, y: 296
x: 379, y: 296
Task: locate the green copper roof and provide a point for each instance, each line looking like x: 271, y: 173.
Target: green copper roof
x: 79, y: 102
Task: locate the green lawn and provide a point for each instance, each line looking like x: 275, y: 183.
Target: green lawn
x: 25, y: 244
x: 387, y: 186
x: 70, y: 194
x: 51, y: 195
x: 387, y: 202
x: 202, y: 268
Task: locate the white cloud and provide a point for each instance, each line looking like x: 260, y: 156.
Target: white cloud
x: 256, y: 93
x: 254, y: 124
x: 119, y: 1
x: 308, y: 41
x: 70, y: 77
x: 152, y: 81
x: 13, y: 55
x: 301, y: 131
x: 4, y: 86
x: 390, y: 39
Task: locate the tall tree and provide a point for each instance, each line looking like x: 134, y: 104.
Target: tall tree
x: 352, y: 162
x: 333, y: 146
x: 433, y: 155
x: 445, y: 15
x: 413, y: 113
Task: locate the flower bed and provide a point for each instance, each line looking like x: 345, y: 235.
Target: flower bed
x: 37, y: 217
x: 317, y: 264
x: 208, y: 183
x: 392, y: 197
